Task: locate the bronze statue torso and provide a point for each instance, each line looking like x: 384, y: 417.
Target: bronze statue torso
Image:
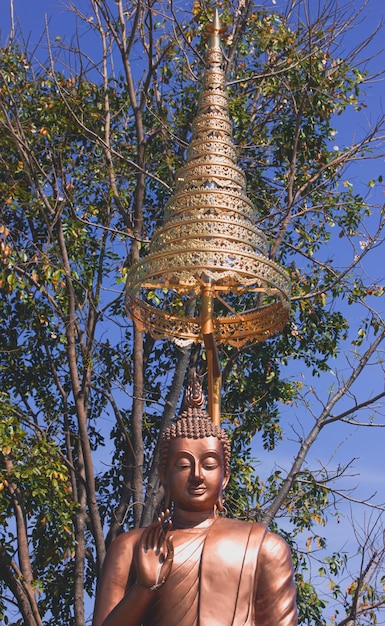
x: 226, y: 599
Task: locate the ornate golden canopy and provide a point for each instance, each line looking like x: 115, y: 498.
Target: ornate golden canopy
x: 208, y: 245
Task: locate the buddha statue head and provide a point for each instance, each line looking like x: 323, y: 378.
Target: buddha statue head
x: 194, y: 456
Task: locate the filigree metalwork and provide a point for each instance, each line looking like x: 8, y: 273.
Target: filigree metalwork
x: 209, y: 236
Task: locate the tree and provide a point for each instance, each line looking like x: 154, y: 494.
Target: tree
x: 89, y: 149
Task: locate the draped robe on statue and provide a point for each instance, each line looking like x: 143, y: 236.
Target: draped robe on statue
x: 218, y: 578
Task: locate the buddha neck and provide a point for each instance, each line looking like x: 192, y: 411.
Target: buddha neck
x: 185, y: 520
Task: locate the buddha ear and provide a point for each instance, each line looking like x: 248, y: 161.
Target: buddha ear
x: 219, y: 503
x: 162, y: 477
x: 167, y: 499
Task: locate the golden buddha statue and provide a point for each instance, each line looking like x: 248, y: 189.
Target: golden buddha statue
x: 193, y: 567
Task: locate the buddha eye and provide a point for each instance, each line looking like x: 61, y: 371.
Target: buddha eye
x: 183, y: 464
x: 210, y: 464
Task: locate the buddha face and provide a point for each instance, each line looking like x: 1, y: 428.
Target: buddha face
x: 195, y: 473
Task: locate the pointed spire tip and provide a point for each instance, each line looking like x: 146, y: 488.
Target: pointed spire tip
x: 216, y: 24
x: 215, y: 27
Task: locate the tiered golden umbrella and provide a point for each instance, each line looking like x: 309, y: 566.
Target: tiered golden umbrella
x: 207, y: 276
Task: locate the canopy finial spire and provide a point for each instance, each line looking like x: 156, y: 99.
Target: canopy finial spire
x: 207, y: 276
x: 215, y: 29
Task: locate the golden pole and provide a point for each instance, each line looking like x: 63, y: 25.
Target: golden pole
x: 213, y: 367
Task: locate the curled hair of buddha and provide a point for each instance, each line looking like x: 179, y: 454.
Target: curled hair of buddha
x: 193, y: 423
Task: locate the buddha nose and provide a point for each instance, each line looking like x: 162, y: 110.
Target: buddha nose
x: 197, y: 473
